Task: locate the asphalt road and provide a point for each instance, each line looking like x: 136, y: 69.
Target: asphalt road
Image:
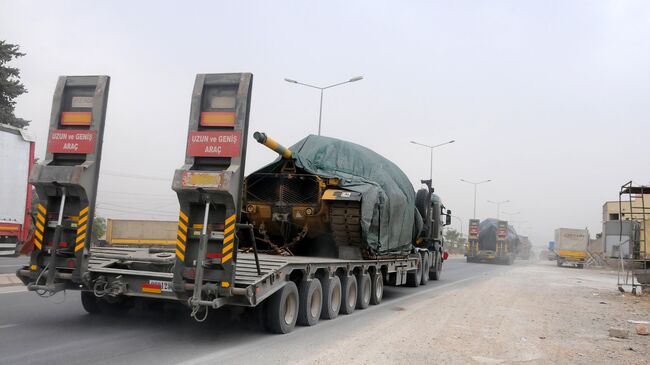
x: 11, y: 264
x: 57, y: 330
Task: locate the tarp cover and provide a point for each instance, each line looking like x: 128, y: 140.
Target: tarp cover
x: 389, y: 220
x: 487, y: 235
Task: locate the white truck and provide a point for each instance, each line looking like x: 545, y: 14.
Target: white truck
x: 571, y: 246
x: 16, y: 159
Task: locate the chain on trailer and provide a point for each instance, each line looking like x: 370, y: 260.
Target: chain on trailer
x: 66, y: 184
x: 209, y: 187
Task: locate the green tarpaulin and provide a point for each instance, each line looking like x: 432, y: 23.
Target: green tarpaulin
x: 389, y: 220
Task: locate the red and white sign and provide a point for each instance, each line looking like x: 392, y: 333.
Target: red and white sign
x: 214, y: 144
x: 72, y: 141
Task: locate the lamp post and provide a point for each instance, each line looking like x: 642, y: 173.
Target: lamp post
x: 431, y: 149
x: 511, y: 214
x: 498, y: 204
x: 322, y: 89
x: 475, y: 185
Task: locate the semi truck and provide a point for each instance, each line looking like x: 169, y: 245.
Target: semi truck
x: 492, y: 241
x: 220, y: 257
x: 571, y: 246
x: 16, y: 160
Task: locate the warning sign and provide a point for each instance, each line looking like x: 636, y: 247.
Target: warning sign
x: 72, y: 141
x: 214, y: 144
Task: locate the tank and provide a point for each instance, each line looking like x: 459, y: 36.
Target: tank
x: 330, y: 198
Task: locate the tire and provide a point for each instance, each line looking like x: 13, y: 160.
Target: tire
x: 421, y: 203
x: 559, y: 263
x: 436, y: 270
x: 364, y: 291
x: 377, y: 288
x: 331, y: 298
x: 311, y: 302
x: 413, y: 278
x: 90, y: 303
x: 282, y: 309
x: 581, y: 266
x: 349, y: 294
x: 424, y: 278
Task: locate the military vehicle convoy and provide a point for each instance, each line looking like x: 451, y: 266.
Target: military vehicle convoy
x: 492, y: 241
x: 316, y: 233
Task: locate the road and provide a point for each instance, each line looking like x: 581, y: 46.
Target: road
x: 56, y: 330
x: 11, y: 264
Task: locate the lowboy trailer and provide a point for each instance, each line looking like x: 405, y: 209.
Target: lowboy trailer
x: 206, y: 268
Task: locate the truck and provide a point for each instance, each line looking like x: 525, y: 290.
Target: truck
x: 134, y: 233
x: 552, y: 256
x: 16, y: 160
x: 492, y: 241
x: 221, y: 257
x: 571, y: 246
x: 525, y: 248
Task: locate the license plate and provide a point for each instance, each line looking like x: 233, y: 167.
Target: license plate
x: 164, y: 285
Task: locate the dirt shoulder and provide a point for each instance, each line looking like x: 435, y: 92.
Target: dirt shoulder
x: 535, y: 313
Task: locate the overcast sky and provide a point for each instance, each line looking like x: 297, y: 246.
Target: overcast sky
x: 549, y: 99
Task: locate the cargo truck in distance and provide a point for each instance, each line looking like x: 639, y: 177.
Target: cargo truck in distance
x: 317, y: 244
x: 16, y: 160
x: 492, y: 241
x: 571, y: 246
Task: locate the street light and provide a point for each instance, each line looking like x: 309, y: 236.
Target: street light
x: 498, y: 204
x: 431, y: 148
x: 323, y: 88
x: 511, y: 214
x: 475, y: 185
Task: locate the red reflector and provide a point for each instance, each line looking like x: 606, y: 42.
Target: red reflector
x: 445, y: 255
x: 63, y: 245
x: 70, y: 264
x: 215, y: 255
x: 151, y: 288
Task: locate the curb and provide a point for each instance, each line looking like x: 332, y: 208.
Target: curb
x: 9, y: 280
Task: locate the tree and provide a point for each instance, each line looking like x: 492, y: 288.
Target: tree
x: 99, y: 229
x: 10, y: 85
x: 453, y: 239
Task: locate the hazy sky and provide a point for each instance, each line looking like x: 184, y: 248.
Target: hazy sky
x: 550, y: 99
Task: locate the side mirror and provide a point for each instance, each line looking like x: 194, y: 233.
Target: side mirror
x: 448, y: 218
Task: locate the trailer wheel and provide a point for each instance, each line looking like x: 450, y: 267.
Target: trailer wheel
x: 282, y: 309
x: 436, y: 271
x: 311, y: 302
x: 349, y: 291
x: 413, y: 277
x: 559, y: 263
x: 364, y: 291
x: 90, y: 303
x: 377, y: 288
x: 425, y: 269
x: 331, y: 298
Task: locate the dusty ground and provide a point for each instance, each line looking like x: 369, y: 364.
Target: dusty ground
x: 534, y: 313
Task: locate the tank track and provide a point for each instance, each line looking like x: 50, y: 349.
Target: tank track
x: 345, y: 223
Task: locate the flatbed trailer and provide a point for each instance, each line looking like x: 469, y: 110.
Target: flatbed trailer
x: 206, y: 269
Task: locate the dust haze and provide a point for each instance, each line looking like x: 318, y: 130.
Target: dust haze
x: 547, y: 99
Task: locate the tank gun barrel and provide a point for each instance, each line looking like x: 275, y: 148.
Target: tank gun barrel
x: 273, y: 145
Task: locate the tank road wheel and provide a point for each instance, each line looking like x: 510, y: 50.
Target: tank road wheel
x: 414, y: 276
x: 436, y: 270
x: 311, y: 302
x: 377, y: 288
x: 425, y: 269
x: 331, y: 298
x: 282, y: 309
x: 364, y: 292
x: 90, y: 303
x: 349, y: 297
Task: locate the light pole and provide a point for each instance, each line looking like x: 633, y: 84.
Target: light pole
x: 498, y: 204
x: 511, y: 214
x: 431, y: 149
x: 323, y: 88
x: 475, y: 185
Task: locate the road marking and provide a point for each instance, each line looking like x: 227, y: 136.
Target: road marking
x: 8, y: 325
x: 15, y: 265
x: 13, y: 289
